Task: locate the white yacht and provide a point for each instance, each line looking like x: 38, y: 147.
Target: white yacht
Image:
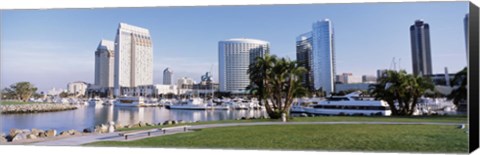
x: 191, y: 104
x: 130, y: 102
x: 349, y: 105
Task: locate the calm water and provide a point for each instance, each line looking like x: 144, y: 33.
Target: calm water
x: 89, y: 116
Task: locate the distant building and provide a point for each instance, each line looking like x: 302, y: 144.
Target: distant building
x: 104, y: 66
x: 235, y: 56
x: 133, y: 59
x: 321, y: 58
x: 55, y: 91
x: 352, y: 86
x: 304, y: 52
x: 369, y: 79
x: 421, y: 54
x: 381, y: 73
x: 167, y: 76
x: 77, y: 88
x: 346, y: 78
x: 185, y: 85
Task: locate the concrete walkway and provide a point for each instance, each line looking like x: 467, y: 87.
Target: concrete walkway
x: 75, y: 141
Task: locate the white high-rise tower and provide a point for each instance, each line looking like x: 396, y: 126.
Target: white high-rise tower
x: 235, y: 56
x: 104, y: 64
x: 133, y: 59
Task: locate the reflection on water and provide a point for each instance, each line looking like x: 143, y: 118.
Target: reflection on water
x: 89, y: 116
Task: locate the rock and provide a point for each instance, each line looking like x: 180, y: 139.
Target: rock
x: 26, y: 131
x: 169, y: 122
x: 31, y: 136
x: 243, y: 118
x: 19, y: 137
x: 87, y: 130
x: 181, y: 122
x: 102, y: 128
x: 142, y: 124
x: 174, y: 122
x: 303, y: 115
x: 64, y: 133
x: 118, y: 126
x: 3, y: 140
x: 37, y: 132
x: 159, y: 124
x: 50, y: 133
x: 111, y: 127
x: 14, y: 132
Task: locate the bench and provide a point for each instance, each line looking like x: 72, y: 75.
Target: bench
x: 126, y: 134
x: 184, y: 127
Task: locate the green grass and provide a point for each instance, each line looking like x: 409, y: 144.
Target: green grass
x: 14, y: 102
x: 384, y: 138
x: 449, y: 119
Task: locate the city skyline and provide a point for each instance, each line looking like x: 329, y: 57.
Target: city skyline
x: 191, y: 51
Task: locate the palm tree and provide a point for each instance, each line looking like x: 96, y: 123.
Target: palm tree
x: 459, y: 94
x: 276, y: 82
x: 401, y: 88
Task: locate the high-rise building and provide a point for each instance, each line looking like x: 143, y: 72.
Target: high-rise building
x: 167, y: 76
x: 104, y: 64
x: 369, y: 79
x: 421, y: 54
x: 304, y: 51
x: 133, y: 59
x: 381, y: 73
x: 323, y: 56
x: 465, y: 28
x: 235, y: 56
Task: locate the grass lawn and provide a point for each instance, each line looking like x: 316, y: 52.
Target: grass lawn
x: 384, y: 138
x: 449, y: 119
x: 14, y: 102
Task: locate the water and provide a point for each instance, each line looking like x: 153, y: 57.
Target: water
x: 89, y: 116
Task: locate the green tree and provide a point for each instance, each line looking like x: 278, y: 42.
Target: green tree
x: 401, y: 88
x: 276, y: 82
x: 459, y: 94
x: 23, y: 90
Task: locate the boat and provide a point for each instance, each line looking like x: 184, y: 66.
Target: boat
x: 109, y: 102
x: 130, y: 102
x: 191, y: 104
x: 350, y: 104
x: 94, y: 101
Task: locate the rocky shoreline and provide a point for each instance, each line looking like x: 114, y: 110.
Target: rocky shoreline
x: 35, y: 108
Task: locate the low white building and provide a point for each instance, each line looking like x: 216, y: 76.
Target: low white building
x: 78, y: 88
x: 55, y: 91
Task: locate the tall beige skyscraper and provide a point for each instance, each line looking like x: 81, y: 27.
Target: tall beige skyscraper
x: 104, y: 64
x: 133, y: 59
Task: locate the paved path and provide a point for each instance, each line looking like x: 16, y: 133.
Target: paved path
x: 75, y: 141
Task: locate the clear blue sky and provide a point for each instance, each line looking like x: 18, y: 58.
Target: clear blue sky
x: 53, y: 47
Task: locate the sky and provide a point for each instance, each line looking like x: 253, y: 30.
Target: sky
x: 52, y: 47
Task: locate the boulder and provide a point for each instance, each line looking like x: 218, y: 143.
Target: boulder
x: 174, y: 122
x: 50, y: 133
x: 64, y: 133
x: 14, y: 132
x: 303, y: 115
x: 3, y: 140
x: 168, y: 122
x: 181, y: 122
x: 102, y: 128
x: 87, y: 130
x: 243, y: 118
x: 118, y: 126
x: 26, y: 131
x: 73, y: 132
x: 148, y: 124
x: 31, y: 136
x: 159, y: 124
x: 142, y: 124
x: 37, y: 132
x: 19, y: 137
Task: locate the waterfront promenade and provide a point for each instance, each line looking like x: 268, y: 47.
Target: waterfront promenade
x: 79, y: 140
